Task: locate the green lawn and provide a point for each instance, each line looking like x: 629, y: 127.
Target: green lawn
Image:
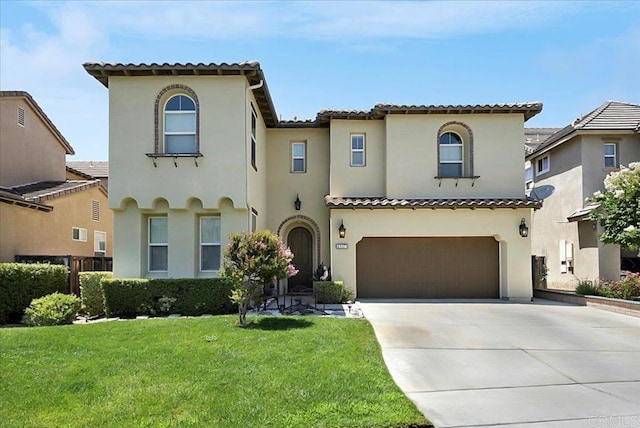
x: 278, y: 372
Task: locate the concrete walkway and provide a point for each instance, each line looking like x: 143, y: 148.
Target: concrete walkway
x: 489, y: 362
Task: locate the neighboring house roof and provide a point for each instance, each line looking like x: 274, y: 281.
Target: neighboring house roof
x: 535, y: 136
x: 582, y: 213
x: 23, y: 94
x: 382, y: 202
x: 251, y: 70
x: 34, y: 195
x: 610, y: 116
x: 98, y: 169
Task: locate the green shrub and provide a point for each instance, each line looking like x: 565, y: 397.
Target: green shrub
x: 132, y: 297
x: 331, y: 292
x: 20, y: 283
x: 591, y: 288
x: 91, y: 294
x: 626, y: 288
x: 52, y: 309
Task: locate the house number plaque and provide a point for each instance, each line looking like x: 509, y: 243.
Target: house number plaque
x: 342, y: 246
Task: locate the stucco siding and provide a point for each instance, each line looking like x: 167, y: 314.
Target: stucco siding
x: 257, y: 177
x: 25, y: 231
x: 412, y: 156
x: 367, y: 180
x: 311, y: 186
x: 18, y: 164
x: 220, y: 173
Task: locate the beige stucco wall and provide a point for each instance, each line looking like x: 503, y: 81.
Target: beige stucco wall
x: 18, y: 146
x: 25, y: 231
x: 515, y: 251
x: 412, y: 156
x: 131, y: 228
x: 347, y: 180
x: 221, y: 172
x: 256, y: 179
x: 311, y: 186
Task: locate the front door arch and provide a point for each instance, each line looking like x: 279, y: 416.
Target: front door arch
x: 300, y: 242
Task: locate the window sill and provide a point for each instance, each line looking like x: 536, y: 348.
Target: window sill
x: 608, y: 169
x: 473, y: 179
x: 175, y: 157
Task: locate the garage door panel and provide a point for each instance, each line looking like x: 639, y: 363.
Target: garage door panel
x: 428, y: 267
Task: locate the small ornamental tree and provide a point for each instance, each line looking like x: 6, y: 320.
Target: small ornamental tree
x: 619, y: 212
x: 253, y: 261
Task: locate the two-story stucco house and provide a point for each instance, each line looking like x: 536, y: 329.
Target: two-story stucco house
x: 568, y: 168
x: 401, y: 201
x: 42, y: 211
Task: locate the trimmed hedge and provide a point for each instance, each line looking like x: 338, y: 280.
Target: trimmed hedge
x: 331, y: 292
x: 52, y: 309
x: 20, y: 283
x: 132, y: 297
x: 91, y: 293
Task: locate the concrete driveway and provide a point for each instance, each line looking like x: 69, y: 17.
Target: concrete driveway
x: 489, y: 362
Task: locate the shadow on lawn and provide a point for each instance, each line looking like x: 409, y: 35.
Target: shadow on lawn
x: 279, y: 323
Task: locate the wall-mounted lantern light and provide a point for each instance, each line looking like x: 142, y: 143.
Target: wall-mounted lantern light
x: 523, y: 229
x: 297, y: 203
x: 342, y: 231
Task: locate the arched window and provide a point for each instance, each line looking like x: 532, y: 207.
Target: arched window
x: 451, y: 155
x: 180, y: 125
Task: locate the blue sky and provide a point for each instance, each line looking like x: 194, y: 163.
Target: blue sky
x: 572, y: 56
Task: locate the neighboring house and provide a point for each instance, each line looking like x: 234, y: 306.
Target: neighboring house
x: 42, y: 213
x: 400, y: 201
x: 569, y: 167
x: 89, y: 169
x: 533, y: 137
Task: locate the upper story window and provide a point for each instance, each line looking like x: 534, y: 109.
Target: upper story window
x: 180, y: 125
x: 543, y: 165
x: 254, y: 122
x: 528, y: 177
x: 610, y: 155
x: 358, y: 150
x: 455, y: 150
x: 299, y: 156
x: 20, y: 116
x: 79, y: 234
x: 451, y: 155
x: 158, y: 244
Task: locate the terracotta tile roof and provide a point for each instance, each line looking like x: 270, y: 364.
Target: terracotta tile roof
x: 44, y: 190
x: 98, y: 169
x: 249, y: 69
x: 23, y: 94
x: 610, y: 116
x: 382, y: 202
x: 529, y: 109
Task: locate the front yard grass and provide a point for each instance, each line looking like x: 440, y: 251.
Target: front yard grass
x: 278, y: 372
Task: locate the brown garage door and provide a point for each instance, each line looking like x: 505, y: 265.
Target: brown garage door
x: 429, y: 268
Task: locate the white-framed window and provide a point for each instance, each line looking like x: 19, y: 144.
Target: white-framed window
x: 210, y: 248
x: 99, y: 243
x: 542, y: 165
x: 158, y: 244
x: 95, y: 210
x: 451, y: 150
x: 254, y: 219
x: 21, y: 116
x: 528, y: 177
x: 610, y: 155
x: 79, y: 234
x: 298, y: 156
x: 180, y: 125
x: 358, y: 149
x: 254, y: 124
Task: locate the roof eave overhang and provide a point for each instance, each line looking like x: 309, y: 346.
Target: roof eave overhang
x: 26, y: 204
x: 575, y: 133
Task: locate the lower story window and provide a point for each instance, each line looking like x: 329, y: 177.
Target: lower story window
x: 210, y: 244
x: 79, y: 234
x: 158, y: 244
x: 99, y: 243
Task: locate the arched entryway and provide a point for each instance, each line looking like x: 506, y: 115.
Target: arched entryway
x: 300, y: 241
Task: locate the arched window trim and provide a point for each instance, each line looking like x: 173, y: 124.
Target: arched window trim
x: 447, y: 127
x: 161, y: 100
x: 166, y: 113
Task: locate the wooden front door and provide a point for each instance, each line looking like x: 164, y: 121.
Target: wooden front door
x: 299, y: 240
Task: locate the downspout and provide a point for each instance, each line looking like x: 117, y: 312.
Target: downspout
x: 246, y: 155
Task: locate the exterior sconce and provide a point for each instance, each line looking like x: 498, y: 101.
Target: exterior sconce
x: 523, y: 229
x: 342, y: 231
x: 297, y: 203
